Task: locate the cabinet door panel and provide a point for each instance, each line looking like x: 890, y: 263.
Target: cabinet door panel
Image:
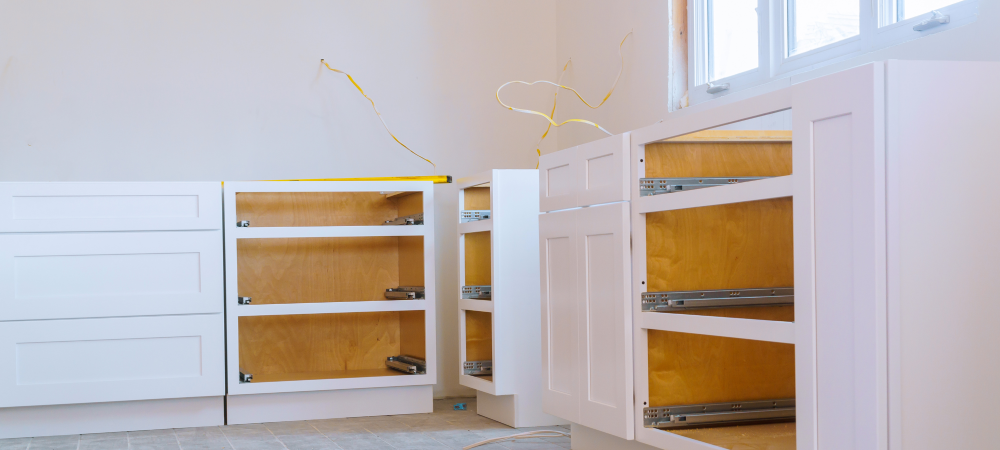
x: 605, y: 319
x: 146, y: 206
x: 560, y: 312
x: 55, y: 362
x: 76, y: 275
x: 839, y: 165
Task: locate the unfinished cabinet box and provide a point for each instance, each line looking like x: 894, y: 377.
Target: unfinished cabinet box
x: 714, y: 264
x: 111, y: 307
x: 872, y: 253
x: 499, y: 305
x: 328, y: 292
x: 586, y: 296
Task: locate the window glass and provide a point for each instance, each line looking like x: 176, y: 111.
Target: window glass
x: 732, y: 37
x: 815, y: 23
x: 908, y: 9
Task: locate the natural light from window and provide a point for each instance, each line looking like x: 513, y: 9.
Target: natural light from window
x: 732, y: 36
x: 815, y: 23
x: 908, y: 9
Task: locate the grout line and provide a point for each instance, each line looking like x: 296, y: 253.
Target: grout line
x: 227, y: 438
x: 275, y: 437
x: 79, y: 441
x: 177, y: 438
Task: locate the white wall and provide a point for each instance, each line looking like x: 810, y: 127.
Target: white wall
x: 589, y: 31
x: 233, y: 90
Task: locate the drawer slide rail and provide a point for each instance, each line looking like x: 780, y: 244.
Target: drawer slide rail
x: 412, y: 219
x: 656, y: 186
x: 407, y: 364
x: 477, y: 292
x: 477, y: 368
x: 472, y: 215
x: 405, y: 293
x: 721, y: 298
x: 667, y: 417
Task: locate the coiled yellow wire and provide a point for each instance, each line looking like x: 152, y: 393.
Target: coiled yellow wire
x: 559, y: 85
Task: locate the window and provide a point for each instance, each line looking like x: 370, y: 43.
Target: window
x: 908, y: 9
x: 815, y: 23
x: 732, y: 40
x: 735, y: 44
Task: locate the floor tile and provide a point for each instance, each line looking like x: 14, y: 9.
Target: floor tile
x: 55, y: 443
x: 14, y: 444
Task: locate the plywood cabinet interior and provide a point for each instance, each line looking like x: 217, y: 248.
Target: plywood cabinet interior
x: 327, y: 346
x: 330, y: 269
x: 316, y: 260
x: 324, y: 209
x: 732, y: 246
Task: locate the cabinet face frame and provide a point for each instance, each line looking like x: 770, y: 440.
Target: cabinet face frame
x: 860, y: 101
x: 235, y: 310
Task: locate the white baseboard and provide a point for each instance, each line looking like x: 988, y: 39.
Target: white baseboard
x: 85, y: 418
x: 312, y: 405
x: 590, y: 439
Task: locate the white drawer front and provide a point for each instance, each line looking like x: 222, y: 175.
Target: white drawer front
x: 54, y: 362
x: 61, y: 207
x: 588, y: 174
x: 78, y: 275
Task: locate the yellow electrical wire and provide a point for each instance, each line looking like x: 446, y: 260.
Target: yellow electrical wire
x: 538, y: 145
x: 355, y: 83
x: 549, y: 118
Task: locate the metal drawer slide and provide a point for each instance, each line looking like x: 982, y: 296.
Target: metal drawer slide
x: 405, y: 293
x: 719, y: 413
x: 654, y: 186
x: 477, y: 368
x: 472, y: 215
x: 722, y: 298
x: 477, y: 292
x: 412, y: 219
x: 407, y: 364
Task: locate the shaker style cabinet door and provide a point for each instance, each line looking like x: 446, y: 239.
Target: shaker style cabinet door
x: 586, y: 322
x: 605, y: 319
x: 560, y: 312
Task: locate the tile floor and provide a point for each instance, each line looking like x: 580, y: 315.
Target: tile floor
x: 442, y: 429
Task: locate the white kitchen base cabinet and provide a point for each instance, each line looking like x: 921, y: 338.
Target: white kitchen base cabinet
x: 871, y: 353
x: 329, y: 289
x: 499, y: 307
x: 111, y: 307
x: 585, y: 287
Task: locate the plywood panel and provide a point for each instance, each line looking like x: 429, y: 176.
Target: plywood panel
x: 478, y: 259
x: 687, y: 369
x: 771, y: 436
x: 477, y: 198
x: 411, y: 261
x: 721, y: 154
x: 412, y: 334
x: 734, y: 246
x: 409, y: 204
x: 314, y: 209
x: 478, y: 336
x: 310, y: 270
x: 308, y: 343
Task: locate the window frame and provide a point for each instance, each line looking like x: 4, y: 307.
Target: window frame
x: 877, y: 30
